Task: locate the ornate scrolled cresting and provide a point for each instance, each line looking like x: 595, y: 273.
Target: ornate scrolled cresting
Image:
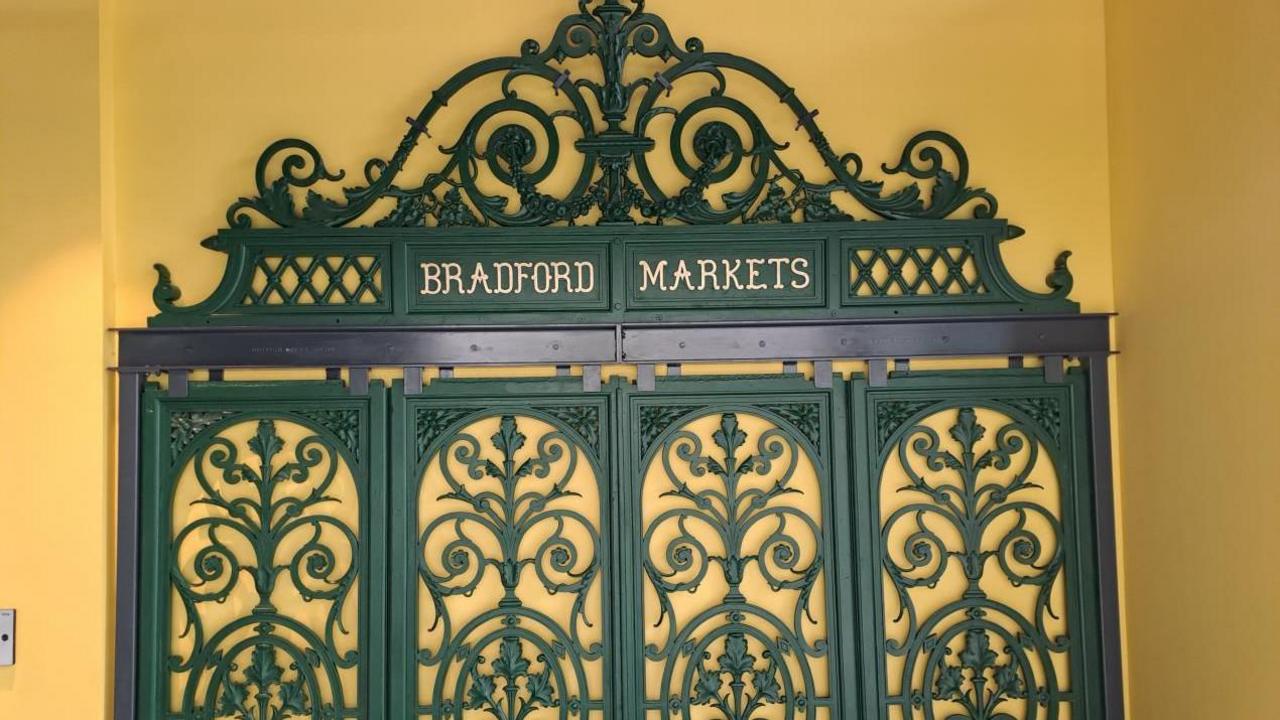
x: 611, y: 112
x: 613, y: 122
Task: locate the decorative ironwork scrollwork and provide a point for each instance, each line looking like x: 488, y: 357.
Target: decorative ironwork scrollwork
x: 973, y: 555
x: 265, y: 519
x: 514, y: 521
x: 733, y: 519
x: 614, y: 120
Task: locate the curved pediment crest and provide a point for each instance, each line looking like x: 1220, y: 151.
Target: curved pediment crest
x: 613, y: 122
x: 613, y: 119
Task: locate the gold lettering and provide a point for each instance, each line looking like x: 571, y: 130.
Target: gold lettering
x: 653, y: 276
x: 430, y: 279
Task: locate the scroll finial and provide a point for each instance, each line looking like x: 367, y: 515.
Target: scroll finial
x: 165, y: 293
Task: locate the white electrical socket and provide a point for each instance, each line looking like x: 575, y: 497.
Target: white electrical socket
x: 8, y: 622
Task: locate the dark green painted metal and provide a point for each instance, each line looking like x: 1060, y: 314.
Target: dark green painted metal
x: 749, y: 677
x: 613, y: 33
x: 265, y: 664
x: 727, y: 666
x: 816, y: 271
x: 510, y: 659
x: 969, y: 655
x: 732, y: 172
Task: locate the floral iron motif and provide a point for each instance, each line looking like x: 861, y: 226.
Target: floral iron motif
x: 507, y: 496
x: 742, y: 499
x: 977, y: 681
x: 499, y: 692
x: 185, y: 426
x: 614, y: 118
x: 982, y: 496
x: 736, y: 664
x: 264, y: 693
x: 283, y: 507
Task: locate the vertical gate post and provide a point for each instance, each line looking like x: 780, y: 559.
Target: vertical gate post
x: 1105, y: 514
x: 126, y: 636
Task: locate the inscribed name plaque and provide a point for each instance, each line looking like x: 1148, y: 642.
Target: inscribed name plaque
x: 509, y: 276
x: 716, y: 274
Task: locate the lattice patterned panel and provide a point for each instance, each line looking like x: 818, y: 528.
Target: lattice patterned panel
x: 509, y: 557
x: 734, y: 588
x: 974, y: 558
x: 914, y: 271
x: 292, y: 279
x: 265, y: 569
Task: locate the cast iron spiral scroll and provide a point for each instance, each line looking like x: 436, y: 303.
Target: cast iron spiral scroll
x: 740, y: 658
x: 612, y: 122
x: 983, y: 657
x: 511, y: 659
x: 264, y: 521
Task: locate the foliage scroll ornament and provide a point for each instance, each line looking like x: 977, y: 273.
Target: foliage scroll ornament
x: 982, y: 658
x: 614, y: 120
x: 505, y: 494
x: 266, y: 521
x: 736, y: 652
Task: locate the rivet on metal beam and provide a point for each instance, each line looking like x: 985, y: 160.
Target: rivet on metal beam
x: 446, y: 373
x: 790, y: 367
x: 822, y: 374
x: 1054, y: 369
x: 901, y: 366
x: 590, y: 378
x: 646, y: 378
x: 178, y: 383
x: 878, y: 372
x: 413, y: 381
x: 1016, y: 362
x: 358, y: 380
x: 673, y: 370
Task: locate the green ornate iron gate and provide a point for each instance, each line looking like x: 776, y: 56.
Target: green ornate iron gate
x: 718, y: 547
x: 839, y: 535
x: 264, y: 562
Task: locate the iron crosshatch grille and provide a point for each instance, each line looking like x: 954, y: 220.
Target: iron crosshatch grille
x: 813, y: 541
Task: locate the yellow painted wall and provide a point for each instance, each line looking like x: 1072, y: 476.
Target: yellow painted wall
x: 191, y: 92
x: 54, y: 489
x: 1195, y: 147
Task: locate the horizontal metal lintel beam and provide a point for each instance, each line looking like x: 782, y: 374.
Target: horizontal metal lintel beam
x: 1024, y: 335
x: 294, y: 347
x: 161, y: 348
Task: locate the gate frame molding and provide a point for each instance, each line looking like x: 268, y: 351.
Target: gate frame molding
x: 920, y: 282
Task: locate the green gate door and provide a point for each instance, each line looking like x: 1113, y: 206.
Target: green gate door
x: 974, y: 501
x: 502, y: 595
x: 514, y: 502
x: 736, y: 548
x: 263, y: 563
